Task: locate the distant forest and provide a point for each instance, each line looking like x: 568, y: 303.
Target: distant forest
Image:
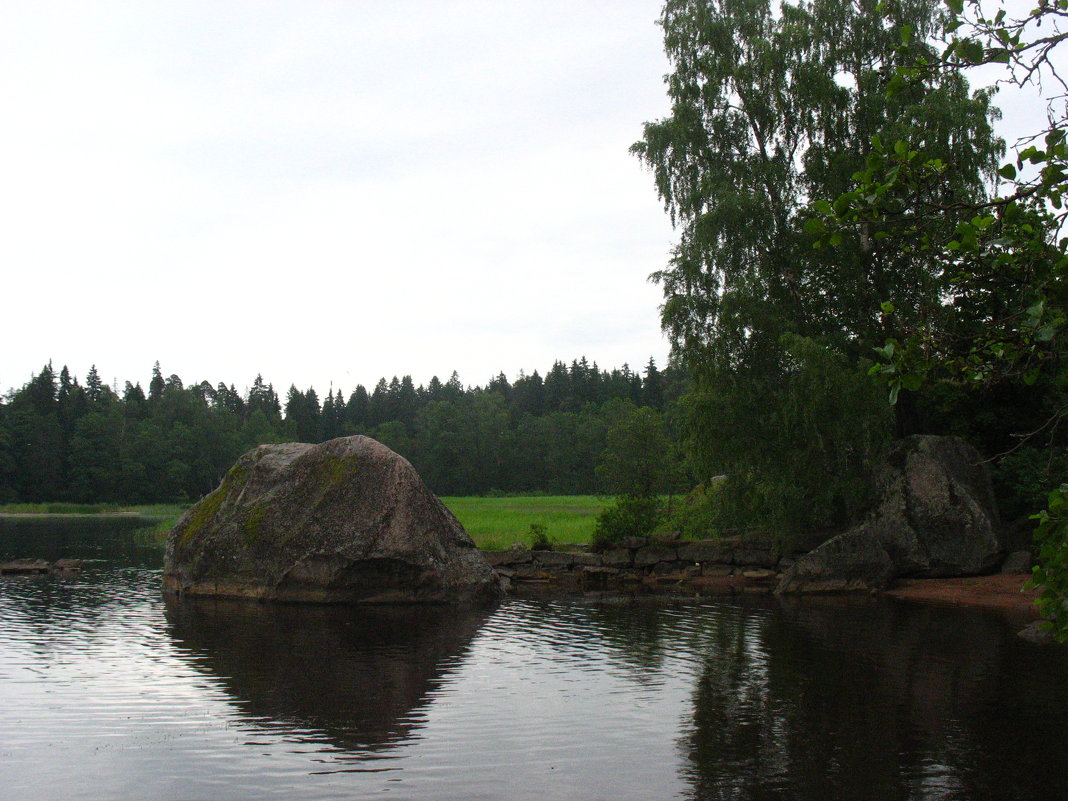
x: 61, y: 440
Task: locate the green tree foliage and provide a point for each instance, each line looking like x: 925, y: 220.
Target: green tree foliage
x: 303, y: 415
x: 1051, y: 573
x: 1004, y: 299
x: 1004, y: 302
x: 637, y: 459
x: 637, y: 464
x: 58, y: 443
x: 394, y: 435
x: 156, y: 385
x: 800, y: 441
x: 333, y: 415
x: 771, y: 106
x: 628, y: 517
x: 358, y: 406
x: 263, y: 398
x: 37, y: 439
x: 94, y: 456
x: 8, y: 492
x: 441, y: 431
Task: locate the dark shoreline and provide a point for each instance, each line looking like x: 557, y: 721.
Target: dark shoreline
x: 671, y: 569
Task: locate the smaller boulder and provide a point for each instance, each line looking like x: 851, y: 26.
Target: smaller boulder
x: 934, y: 517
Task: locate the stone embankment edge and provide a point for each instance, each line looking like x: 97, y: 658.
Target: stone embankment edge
x: 752, y: 563
x: 721, y: 567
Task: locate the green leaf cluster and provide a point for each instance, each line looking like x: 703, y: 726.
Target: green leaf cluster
x: 1050, y: 576
x: 638, y: 458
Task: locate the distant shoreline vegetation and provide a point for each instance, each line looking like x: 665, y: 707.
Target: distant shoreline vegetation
x: 84, y: 443
x: 63, y: 509
x: 155, y: 520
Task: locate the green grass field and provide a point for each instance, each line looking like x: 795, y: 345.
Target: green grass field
x: 496, y: 523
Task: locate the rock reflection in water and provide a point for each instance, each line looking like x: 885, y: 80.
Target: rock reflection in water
x: 359, y: 677
x: 849, y: 699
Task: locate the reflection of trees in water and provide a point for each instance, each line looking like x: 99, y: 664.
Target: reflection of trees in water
x: 632, y: 634
x: 358, y: 676
x: 846, y: 699
x: 644, y: 637
x: 93, y: 605
x: 109, y: 537
x: 636, y: 637
x: 648, y: 633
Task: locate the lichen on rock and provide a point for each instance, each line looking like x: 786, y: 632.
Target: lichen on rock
x: 346, y: 521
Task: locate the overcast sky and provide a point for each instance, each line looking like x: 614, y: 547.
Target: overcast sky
x: 328, y: 193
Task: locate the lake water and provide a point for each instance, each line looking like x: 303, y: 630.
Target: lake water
x: 107, y: 691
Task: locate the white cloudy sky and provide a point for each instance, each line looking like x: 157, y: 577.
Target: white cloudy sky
x: 328, y: 192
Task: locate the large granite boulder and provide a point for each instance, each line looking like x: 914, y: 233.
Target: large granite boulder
x: 347, y: 521
x: 935, y: 516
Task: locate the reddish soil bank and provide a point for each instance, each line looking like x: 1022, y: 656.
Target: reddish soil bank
x: 1003, y: 592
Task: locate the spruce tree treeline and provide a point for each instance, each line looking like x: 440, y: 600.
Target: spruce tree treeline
x: 61, y: 440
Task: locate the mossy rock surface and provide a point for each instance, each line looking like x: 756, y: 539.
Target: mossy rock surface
x: 346, y: 521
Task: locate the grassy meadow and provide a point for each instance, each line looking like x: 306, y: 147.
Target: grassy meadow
x: 496, y: 523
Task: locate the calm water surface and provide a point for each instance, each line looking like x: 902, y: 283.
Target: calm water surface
x: 106, y: 691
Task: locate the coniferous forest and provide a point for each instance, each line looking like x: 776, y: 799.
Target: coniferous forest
x: 65, y: 439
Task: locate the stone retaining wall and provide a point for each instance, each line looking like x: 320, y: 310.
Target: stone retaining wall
x: 751, y: 562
